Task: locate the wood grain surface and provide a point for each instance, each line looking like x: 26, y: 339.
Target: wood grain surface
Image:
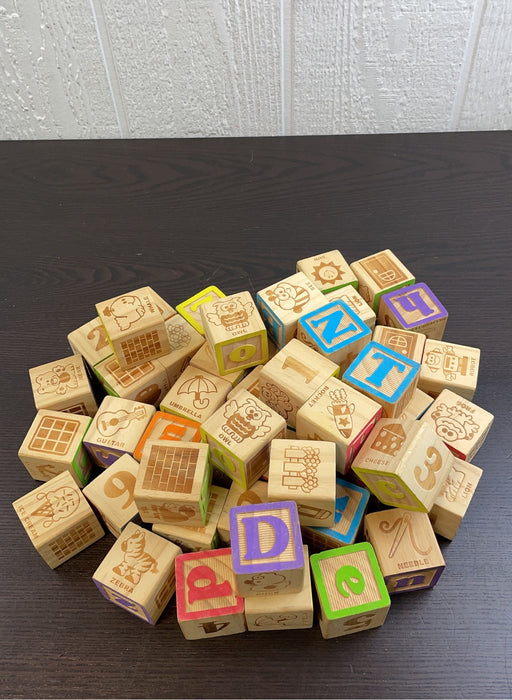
x: 84, y: 221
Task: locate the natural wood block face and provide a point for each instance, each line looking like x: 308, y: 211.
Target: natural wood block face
x: 90, y: 341
x: 350, y: 506
x: 415, y: 308
x: 167, y: 426
x: 138, y: 573
x: 195, y: 395
x: 135, y: 327
x: 282, y: 304
x: 190, y: 309
x: 461, y: 424
x: 449, y: 366
x: 205, y: 361
x: 351, y: 591
x: 163, y: 307
x: 54, y: 444
x: 235, y: 333
x: 111, y: 494
x: 384, y: 376
x: 404, y: 463
x: 328, y: 271
x: 185, y: 341
x: 292, y: 376
x: 339, y: 413
x: 454, y: 498
x: 304, y: 471
x: 378, y: 274
x: 63, y: 386
x: 266, y: 545
x: 147, y: 382
x: 197, y: 539
x: 207, y: 603
x: 239, y: 434
x: 284, y: 611
x: 354, y: 301
x: 416, y: 406
x: 116, y: 429
x: 249, y: 383
x: 173, y: 483
x: 406, y: 548
x: 58, y: 520
x: 407, y: 343
x: 238, y: 496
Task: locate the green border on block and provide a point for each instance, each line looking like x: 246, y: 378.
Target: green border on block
x: 376, y: 301
x: 209, y: 439
x: 264, y: 349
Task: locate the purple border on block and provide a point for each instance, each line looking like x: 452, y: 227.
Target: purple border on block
x: 389, y: 300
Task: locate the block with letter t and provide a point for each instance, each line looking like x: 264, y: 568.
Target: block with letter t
x: 414, y: 308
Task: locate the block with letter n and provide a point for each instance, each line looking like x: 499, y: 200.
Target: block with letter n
x: 351, y: 591
x: 414, y: 308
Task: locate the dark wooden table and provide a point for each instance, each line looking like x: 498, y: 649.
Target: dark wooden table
x: 83, y: 221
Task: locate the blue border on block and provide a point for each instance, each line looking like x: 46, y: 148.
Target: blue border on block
x: 356, y: 520
x: 363, y: 328
x: 266, y: 313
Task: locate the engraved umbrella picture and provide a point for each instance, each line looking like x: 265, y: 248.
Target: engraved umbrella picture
x: 198, y: 385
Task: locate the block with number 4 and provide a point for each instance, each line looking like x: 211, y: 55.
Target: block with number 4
x: 414, y: 308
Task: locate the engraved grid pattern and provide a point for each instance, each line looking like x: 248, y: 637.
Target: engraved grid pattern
x: 171, y: 469
x: 54, y: 435
x: 73, y: 541
x: 141, y: 347
x: 79, y: 408
x: 127, y: 377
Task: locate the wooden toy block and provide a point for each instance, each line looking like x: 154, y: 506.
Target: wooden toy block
x: 205, y: 361
x: 292, y: 376
x: 350, y: 507
x: 266, y: 545
x: 406, y: 548
x: 163, y: 307
x: 380, y: 273
x: 111, y: 494
x: 461, y: 425
x: 207, y: 603
x: 116, y: 429
x: 190, y: 309
x: 135, y: 327
x: 352, y: 595
x: 285, y: 611
x: 407, y: 343
x: 54, y: 444
x: 239, y: 434
x: 196, y: 395
x: 250, y: 383
x: 414, y: 308
x: 197, y: 539
x: 283, y: 303
x: 167, y: 426
x: 454, y: 498
x: 304, y: 471
x: 238, y: 496
x: 328, y: 271
x: 58, y: 520
x: 235, y: 332
x: 185, y: 341
x: 335, y: 331
x: 90, y: 341
x: 139, y: 573
x: 417, y: 405
x: 63, y: 386
x: 403, y: 463
x: 449, y: 366
x: 384, y: 376
x: 350, y: 296
x: 339, y: 413
x: 147, y: 382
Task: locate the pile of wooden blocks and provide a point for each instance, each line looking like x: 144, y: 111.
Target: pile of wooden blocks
x: 244, y: 449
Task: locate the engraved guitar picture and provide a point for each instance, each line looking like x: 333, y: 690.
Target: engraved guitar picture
x: 111, y: 422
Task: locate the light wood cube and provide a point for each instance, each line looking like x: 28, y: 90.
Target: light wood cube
x: 204, y: 360
x: 350, y: 296
x: 449, y: 366
x: 63, y: 386
x: 91, y: 341
x: 417, y: 406
x: 406, y: 548
x: 163, y: 306
x: 195, y: 395
x: 54, y: 444
x: 328, y: 271
x: 250, y: 383
x: 378, y: 274
x: 190, y: 309
x: 238, y: 496
x: 58, y: 520
x: 146, y: 383
x: 167, y: 426
x: 138, y: 574
x: 185, y: 342
x: 454, y: 498
x: 351, y: 591
x: 407, y: 343
x: 415, y: 308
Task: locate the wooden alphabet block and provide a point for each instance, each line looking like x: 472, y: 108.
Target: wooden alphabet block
x: 404, y: 463
x: 250, y: 383
x: 173, y: 483
x: 449, y: 366
x: 111, y: 494
x: 239, y: 434
x: 328, y: 271
x: 163, y: 307
x: 415, y: 308
x: 185, y: 342
x: 339, y: 413
x: 167, y: 426
x: 90, y: 341
x: 378, y: 274
x: 63, y: 386
x: 238, y: 496
x: 207, y: 603
x: 58, y: 520
x: 351, y: 591
x: 195, y: 395
x: 205, y: 361
x: 116, y: 429
x: 304, y: 471
x: 407, y: 343
x: 282, y: 304
x: 461, y: 424
x: 416, y: 406
x: 54, y: 444
x: 266, y: 545
x: 147, y: 383
x: 138, y: 574
x: 355, y: 301
x: 284, y: 611
x: 454, y: 498
x: 406, y: 548
x: 190, y: 309
x: 384, y: 376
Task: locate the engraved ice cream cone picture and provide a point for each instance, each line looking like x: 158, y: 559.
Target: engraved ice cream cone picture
x: 198, y: 385
x: 57, y: 505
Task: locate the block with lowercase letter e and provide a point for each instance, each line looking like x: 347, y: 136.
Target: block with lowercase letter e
x: 351, y: 591
x: 166, y: 426
x: 384, y: 376
x: 190, y: 309
x: 207, y: 603
x: 378, y: 274
x: 138, y: 573
x: 414, y: 308
x: 266, y: 545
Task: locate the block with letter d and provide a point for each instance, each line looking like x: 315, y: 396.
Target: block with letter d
x: 266, y: 544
